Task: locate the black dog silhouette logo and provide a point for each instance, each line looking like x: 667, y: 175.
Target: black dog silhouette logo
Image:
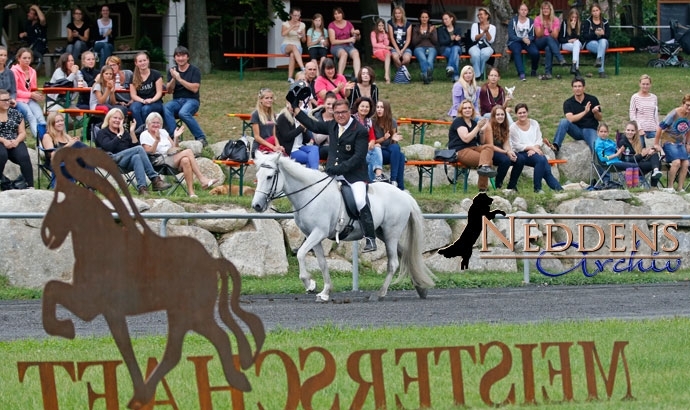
x: 481, y: 206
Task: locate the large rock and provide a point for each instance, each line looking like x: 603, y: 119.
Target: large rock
x: 418, y: 152
x: 222, y: 225
x: 579, y: 161
x: 25, y: 259
x: 258, y: 249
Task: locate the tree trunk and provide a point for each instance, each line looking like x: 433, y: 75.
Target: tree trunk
x: 197, y: 34
x: 501, y: 13
x: 368, y: 8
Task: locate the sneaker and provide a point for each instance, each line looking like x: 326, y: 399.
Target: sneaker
x: 563, y: 62
x: 603, y: 75
x: 450, y: 71
x: 671, y: 190
x: 522, y: 77
x: 430, y: 74
x: 539, y: 191
x: 291, y: 80
x: 406, y: 73
x: 486, y: 171
x: 597, y: 63
x: 369, y: 245
x: 545, y: 77
x: 203, y: 142
x: 656, y: 174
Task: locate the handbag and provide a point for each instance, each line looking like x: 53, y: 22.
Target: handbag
x: 446, y: 155
x: 235, y: 150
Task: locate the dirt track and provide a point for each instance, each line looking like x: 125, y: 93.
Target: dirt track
x: 22, y: 319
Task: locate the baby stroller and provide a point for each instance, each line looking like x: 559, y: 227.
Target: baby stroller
x: 669, y: 51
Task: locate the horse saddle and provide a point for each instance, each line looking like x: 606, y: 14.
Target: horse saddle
x: 349, y: 200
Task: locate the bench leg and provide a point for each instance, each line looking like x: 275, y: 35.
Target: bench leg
x: 422, y: 130
x: 618, y: 62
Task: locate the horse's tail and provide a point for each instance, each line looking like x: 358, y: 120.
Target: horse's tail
x: 80, y: 164
x: 411, y: 261
x: 256, y: 327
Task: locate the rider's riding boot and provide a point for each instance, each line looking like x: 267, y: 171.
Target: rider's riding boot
x: 367, y: 223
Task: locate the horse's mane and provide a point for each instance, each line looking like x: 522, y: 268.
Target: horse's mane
x: 80, y: 163
x: 299, y: 171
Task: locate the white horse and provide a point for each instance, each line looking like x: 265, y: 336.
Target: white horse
x: 319, y: 212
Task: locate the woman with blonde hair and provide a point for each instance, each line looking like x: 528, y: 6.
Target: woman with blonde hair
x: 464, y: 89
x: 263, y: 122
x: 546, y: 29
x: 294, y: 34
x: 293, y: 137
x: 156, y: 140
x: 644, y: 109
x: 646, y: 158
x: 57, y: 135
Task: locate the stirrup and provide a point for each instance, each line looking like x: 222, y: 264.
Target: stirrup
x: 370, y: 245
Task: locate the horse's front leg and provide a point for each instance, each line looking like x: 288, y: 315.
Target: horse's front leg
x: 120, y: 332
x: 325, y: 294
x: 314, y: 238
x: 54, y: 293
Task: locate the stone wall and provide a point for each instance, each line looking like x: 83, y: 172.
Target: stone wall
x: 260, y: 247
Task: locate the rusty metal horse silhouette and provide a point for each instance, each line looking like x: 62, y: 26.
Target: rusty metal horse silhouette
x: 123, y: 268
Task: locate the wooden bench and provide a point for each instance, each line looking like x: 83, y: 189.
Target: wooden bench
x: 245, y: 57
x: 245, y: 122
x: 420, y: 124
x: 235, y: 168
x: 616, y: 51
x: 426, y: 168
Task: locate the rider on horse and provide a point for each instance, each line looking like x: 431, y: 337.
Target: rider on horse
x: 347, y: 150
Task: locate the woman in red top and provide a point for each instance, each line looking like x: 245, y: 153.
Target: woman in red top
x: 342, y: 36
x: 381, y: 46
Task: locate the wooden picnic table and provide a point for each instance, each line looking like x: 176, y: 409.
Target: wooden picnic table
x: 420, y: 124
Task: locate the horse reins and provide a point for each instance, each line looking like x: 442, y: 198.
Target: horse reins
x: 271, y: 194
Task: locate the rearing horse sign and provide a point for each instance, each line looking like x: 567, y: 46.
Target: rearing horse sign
x: 119, y: 271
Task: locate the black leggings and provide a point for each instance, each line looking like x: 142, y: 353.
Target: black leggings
x: 19, y: 155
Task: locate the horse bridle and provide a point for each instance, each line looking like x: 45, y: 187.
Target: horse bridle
x: 272, y: 194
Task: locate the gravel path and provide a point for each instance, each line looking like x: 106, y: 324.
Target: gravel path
x: 22, y: 319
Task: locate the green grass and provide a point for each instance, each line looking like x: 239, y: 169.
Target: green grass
x: 655, y: 354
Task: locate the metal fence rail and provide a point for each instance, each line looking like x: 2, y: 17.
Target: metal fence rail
x: 165, y: 217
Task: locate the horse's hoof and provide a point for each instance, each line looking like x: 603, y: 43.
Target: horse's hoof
x: 322, y: 298
x: 422, y: 292
x: 312, y: 286
x: 376, y: 298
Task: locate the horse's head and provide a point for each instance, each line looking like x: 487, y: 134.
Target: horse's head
x: 269, y: 180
